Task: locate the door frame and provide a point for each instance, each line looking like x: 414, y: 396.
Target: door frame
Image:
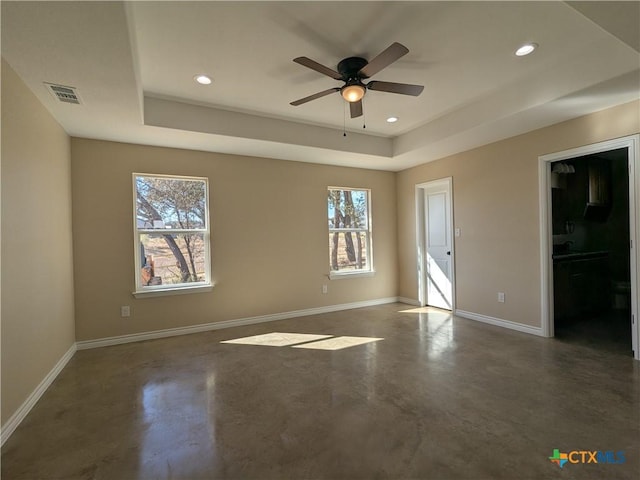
x: 421, y: 244
x: 632, y: 143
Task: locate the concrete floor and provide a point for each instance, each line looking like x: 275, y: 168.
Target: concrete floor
x: 438, y: 398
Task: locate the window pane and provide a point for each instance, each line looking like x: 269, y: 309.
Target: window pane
x: 348, y: 251
x: 164, y: 203
x: 169, y: 259
x: 347, y: 208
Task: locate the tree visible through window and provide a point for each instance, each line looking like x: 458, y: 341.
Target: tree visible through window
x: 172, y: 231
x: 349, y: 230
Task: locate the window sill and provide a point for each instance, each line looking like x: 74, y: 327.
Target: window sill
x: 165, y: 292
x: 345, y: 275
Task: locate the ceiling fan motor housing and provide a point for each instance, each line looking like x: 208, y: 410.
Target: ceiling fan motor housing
x: 350, y: 67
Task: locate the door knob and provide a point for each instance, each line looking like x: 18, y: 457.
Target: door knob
x: 449, y: 253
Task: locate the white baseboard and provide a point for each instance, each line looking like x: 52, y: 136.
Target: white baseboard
x: 172, y: 332
x: 9, y: 427
x: 410, y: 301
x: 500, y: 322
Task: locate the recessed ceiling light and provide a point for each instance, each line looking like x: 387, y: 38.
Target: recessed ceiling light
x: 392, y: 119
x: 202, y: 79
x: 526, y: 49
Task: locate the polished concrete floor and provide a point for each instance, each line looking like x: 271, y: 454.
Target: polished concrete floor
x: 437, y: 398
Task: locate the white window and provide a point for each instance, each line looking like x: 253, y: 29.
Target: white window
x: 171, y: 227
x: 349, y: 231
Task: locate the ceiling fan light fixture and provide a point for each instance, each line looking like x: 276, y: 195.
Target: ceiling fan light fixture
x: 353, y: 93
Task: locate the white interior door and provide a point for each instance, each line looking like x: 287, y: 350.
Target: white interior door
x: 438, y: 266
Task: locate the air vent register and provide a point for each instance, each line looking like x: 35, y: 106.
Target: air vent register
x: 63, y: 93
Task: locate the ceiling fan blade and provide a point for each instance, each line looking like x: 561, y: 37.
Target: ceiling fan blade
x: 356, y: 109
x: 383, y: 60
x: 313, y: 65
x: 314, y: 96
x: 402, y: 88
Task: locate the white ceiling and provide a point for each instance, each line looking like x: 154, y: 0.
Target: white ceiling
x: 134, y: 62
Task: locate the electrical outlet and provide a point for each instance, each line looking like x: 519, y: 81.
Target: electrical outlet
x: 501, y: 297
x: 125, y: 311
x: 325, y: 289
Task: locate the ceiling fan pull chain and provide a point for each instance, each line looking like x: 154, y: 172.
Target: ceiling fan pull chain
x: 364, y: 117
x: 344, y: 119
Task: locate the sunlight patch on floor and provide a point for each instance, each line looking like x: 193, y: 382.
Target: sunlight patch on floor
x: 431, y: 312
x: 277, y: 339
x: 426, y: 310
x: 303, y: 340
x: 338, y: 343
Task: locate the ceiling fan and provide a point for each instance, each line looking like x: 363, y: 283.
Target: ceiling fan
x: 353, y: 70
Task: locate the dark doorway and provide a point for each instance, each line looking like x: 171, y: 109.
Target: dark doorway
x: 591, y: 251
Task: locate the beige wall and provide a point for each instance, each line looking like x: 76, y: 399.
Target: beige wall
x: 269, y: 237
x: 37, y: 282
x: 495, y: 202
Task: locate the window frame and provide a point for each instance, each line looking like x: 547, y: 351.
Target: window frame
x: 142, y: 291
x: 368, y: 230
